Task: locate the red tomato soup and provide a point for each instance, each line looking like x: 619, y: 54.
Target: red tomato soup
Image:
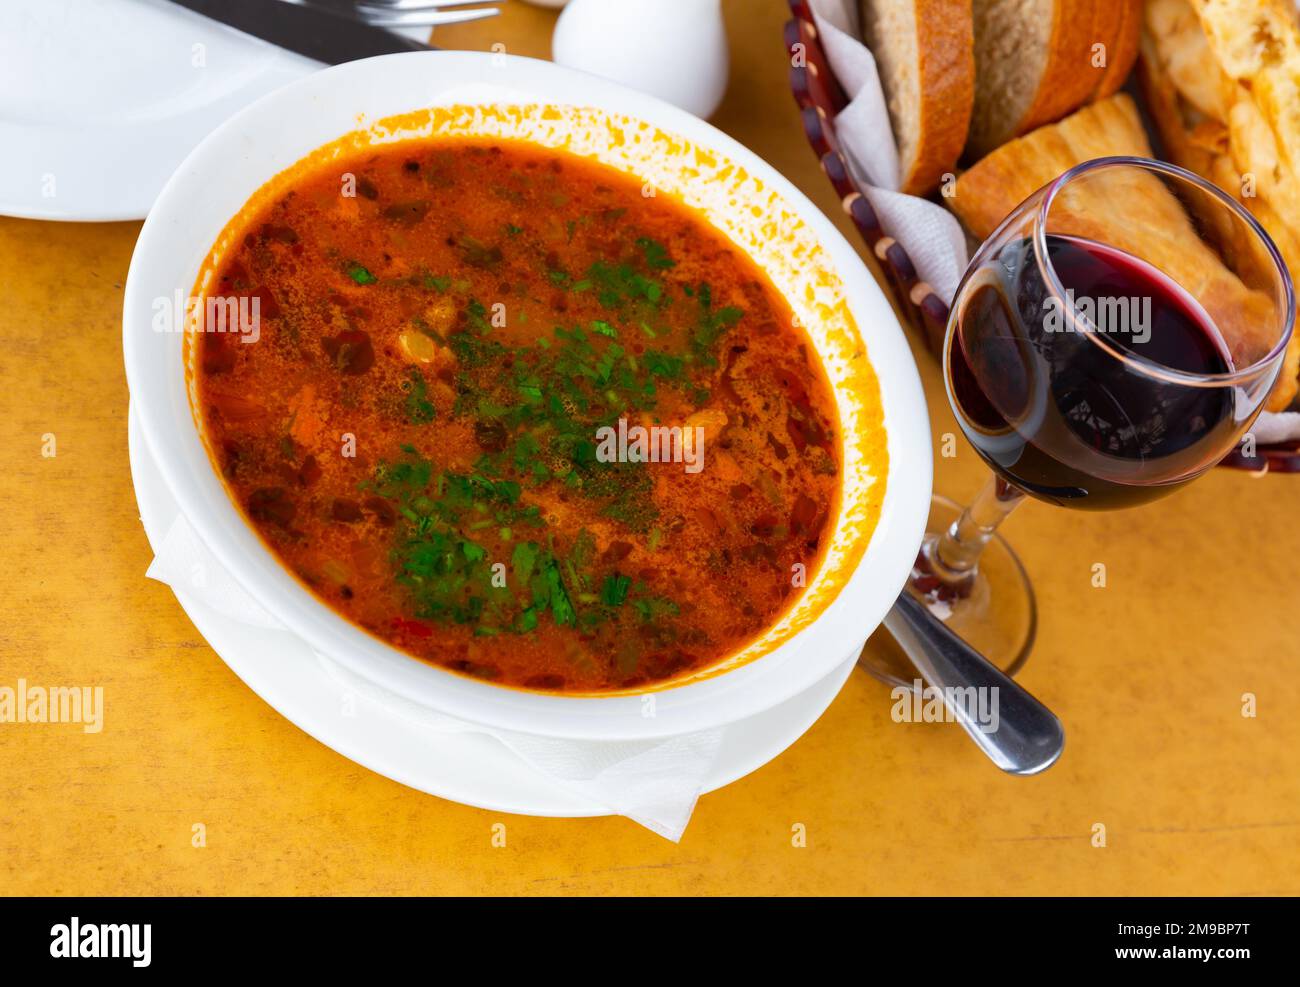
x: 516, y: 418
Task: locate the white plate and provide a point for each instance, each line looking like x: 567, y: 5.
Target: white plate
x: 468, y: 768
x: 100, y: 100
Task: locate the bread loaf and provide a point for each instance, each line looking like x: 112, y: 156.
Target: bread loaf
x: 1221, y: 79
x: 1032, y: 65
x: 924, y: 54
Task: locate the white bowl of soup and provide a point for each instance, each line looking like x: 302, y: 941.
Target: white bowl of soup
x: 527, y: 397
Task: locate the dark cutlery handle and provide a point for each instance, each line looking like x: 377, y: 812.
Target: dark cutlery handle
x: 317, y: 33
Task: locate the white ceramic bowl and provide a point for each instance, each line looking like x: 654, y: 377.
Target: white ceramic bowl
x: 809, y: 261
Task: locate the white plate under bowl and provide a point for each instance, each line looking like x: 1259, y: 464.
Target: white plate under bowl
x: 469, y: 768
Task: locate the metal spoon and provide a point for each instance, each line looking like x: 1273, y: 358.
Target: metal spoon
x: 1028, y: 737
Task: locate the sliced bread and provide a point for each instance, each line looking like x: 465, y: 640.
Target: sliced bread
x: 1032, y: 65
x: 923, y: 49
x: 1122, y: 50
x: 1102, y: 34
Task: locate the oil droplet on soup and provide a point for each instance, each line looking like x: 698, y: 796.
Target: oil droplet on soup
x: 417, y: 429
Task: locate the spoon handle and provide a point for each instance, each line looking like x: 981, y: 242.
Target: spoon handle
x: 1023, y: 737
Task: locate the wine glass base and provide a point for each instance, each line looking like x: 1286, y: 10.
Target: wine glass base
x: 998, y: 616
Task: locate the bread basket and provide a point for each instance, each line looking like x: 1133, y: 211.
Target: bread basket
x: 820, y: 98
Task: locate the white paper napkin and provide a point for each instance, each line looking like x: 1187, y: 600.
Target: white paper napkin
x: 655, y: 783
x: 931, y: 235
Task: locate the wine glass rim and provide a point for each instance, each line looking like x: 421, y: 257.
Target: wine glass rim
x: 1141, y: 363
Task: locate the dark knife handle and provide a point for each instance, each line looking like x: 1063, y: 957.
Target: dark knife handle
x: 320, y: 34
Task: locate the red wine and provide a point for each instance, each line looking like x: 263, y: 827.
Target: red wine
x: 1088, y: 413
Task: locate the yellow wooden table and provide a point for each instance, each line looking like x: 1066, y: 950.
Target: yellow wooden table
x: 1148, y: 674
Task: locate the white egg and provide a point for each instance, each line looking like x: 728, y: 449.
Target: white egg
x: 673, y: 49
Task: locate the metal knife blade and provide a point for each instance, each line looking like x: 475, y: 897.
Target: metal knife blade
x: 319, y: 34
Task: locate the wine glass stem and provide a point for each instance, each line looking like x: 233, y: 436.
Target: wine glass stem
x: 954, y: 555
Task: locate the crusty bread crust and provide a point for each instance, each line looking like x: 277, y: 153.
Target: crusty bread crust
x: 1106, y: 22
x: 1067, y: 76
x: 946, y: 47
x: 1068, y: 79
x: 1123, y: 49
x: 988, y: 191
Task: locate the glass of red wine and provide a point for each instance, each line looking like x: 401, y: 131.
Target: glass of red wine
x: 1112, y: 340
